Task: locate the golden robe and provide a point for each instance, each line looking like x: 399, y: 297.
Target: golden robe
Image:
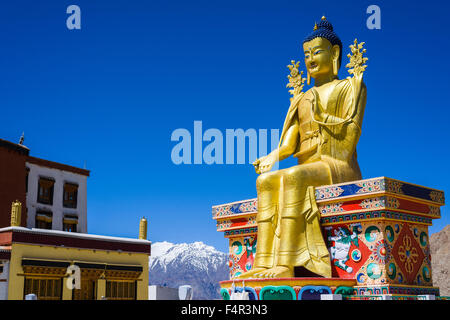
x: 289, y: 231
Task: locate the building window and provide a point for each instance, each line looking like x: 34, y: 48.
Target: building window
x: 70, y: 195
x: 44, y: 289
x: 88, y: 290
x: 26, y: 179
x: 45, y: 191
x: 70, y: 223
x: 121, y: 290
x: 43, y: 220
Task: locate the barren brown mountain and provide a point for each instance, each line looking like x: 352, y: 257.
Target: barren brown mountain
x: 440, y: 259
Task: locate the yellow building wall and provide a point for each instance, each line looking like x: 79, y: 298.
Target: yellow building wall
x: 20, y: 251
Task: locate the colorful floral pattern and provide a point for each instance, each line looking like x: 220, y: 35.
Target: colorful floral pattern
x: 241, y: 254
x: 381, y: 251
x: 328, y: 192
x: 394, y: 186
x: 235, y: 208
x: 408, y: 254
x: 370, y: 186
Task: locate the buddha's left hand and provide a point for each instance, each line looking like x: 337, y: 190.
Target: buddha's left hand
x: 265, y: 164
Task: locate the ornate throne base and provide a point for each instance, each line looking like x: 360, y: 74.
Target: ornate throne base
x: 390, y: 253
x: 287, y: 288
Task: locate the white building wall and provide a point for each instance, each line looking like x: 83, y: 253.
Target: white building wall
x: 61, y: 177
x: 162, y: 293
x: 4, y: 276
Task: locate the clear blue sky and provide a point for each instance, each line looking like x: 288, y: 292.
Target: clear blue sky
x: 110, y: 95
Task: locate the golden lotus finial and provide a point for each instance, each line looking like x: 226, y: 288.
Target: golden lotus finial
x: 296, y: 81
x: 323, y: 18
x: 357, y: 62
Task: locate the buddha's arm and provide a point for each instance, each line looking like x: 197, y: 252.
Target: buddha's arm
x: 287, y: 148
x: 344, y: 128
x: 352, y: 116
x: 289, y: 144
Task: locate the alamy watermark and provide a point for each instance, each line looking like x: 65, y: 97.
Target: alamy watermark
x: 215, y: 147
x: 74, y: 20
x: 374, y: 20
x: 73, y: 280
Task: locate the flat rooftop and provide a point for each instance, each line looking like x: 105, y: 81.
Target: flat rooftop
x: 57, y: 238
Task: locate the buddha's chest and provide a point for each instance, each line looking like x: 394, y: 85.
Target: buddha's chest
x: 305, y: 114
x: 309, y: 129
x: 323, y: 99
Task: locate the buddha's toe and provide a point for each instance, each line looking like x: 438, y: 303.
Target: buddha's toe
x: 250, y: 273
x: 276, y: 272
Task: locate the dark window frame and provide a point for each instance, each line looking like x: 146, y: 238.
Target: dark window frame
x: 70, y: 195
x: 114, y: 286
x: 40, y: 224
x: 45, y: 194
x: 42, y: 283
x: 27, y: 174
x: 72, y: 226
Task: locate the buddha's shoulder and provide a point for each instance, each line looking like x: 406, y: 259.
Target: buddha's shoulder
x: 337, y: 84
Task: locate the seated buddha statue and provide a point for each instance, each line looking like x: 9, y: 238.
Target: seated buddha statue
x: 321, y: 130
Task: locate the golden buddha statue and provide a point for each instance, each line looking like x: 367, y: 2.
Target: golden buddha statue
x: 322, y: 128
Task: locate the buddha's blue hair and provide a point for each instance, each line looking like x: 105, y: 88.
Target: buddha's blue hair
x: 325, y: 30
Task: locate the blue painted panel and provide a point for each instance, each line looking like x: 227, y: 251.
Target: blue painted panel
x: 313, y: 292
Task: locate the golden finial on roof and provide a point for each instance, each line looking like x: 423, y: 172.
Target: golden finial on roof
x: 16, y: 214
x: 315, y: 26
x: 323, y: 18
x: 143, y: 229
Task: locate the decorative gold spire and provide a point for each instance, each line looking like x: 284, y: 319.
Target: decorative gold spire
x: 143, y: 229
x: 296, y: 81
x: 315, y: 26
x: 16, y: 213
x: 357, y: 62
x: 323, y: 18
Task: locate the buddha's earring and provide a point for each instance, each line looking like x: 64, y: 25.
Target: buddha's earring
x: 308, y: 78
x: 335, y: 67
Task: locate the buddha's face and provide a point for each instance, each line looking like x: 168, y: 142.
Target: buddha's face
x: 319, y: 55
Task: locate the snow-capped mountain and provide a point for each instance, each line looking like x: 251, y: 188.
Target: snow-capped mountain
x: 195, y: 264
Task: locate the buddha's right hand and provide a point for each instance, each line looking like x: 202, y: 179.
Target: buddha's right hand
x: 265, y: 164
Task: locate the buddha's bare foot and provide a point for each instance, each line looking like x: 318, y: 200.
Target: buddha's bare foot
x: 250, y: 273
x: 277, y: 272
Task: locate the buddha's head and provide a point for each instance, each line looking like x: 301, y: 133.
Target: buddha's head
x: 323, y: 51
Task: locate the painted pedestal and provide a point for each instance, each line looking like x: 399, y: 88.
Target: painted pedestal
x: 376, y: 231
x: 287, y: 288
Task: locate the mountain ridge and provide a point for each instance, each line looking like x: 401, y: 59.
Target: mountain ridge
x: 195, y: 264
x: 440, y: 260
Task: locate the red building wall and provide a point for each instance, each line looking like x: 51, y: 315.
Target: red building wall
x: 12, y: 180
